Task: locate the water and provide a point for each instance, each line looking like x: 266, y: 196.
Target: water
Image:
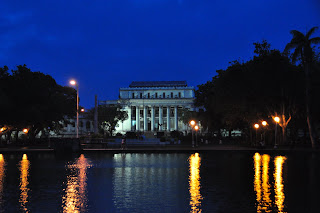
x: 200, y: 182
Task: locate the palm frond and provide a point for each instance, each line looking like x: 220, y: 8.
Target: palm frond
x: 290, y: 46
x: 311, y: 31
x: 297, y: 34
x: 315, y: 40
x: 296, y: 54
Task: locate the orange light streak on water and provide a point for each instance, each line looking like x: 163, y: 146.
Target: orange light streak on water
x: 24, y: 173
x: 278, y: 185
x: 2, y: 175
x: 194, y: 182
x: 75, y: 199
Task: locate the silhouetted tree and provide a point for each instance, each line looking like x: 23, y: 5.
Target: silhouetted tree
x: 302, y: 46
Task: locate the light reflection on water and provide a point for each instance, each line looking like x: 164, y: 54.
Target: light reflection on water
x: 262, y: 188
x: 194, y: 183
x: 24, y: 173
x: 2, y: 175
x: 75, y: 198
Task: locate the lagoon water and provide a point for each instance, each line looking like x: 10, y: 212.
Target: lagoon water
x: 216, y: 181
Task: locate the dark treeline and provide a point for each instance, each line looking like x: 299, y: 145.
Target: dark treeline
x: 34, y: 101
x: 271, y: 84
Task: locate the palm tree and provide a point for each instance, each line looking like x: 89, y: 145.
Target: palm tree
x: 302, y: 46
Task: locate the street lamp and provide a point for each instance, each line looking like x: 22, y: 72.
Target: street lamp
x: 25, y: 131
x: 196, y: 127
x: 74, y: 83
x: 264, y: 123
x: 277, y: 120
x: 192, y: 123
x: 256, y: 126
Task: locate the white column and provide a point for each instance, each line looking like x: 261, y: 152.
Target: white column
x: 160, y: 118
x: 145, y: 121
x: 137, y: 118
x: 152, y: 118
x: 168, y: 118
x: 176, y: 117
x: 129, y: 118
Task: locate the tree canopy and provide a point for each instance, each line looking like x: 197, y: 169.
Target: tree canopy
x: 33, y: 100
x: 248, y: 92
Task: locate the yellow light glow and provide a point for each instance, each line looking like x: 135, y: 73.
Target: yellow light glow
x: 24, y: 173
x: 264, y: 123
x: 266, y: 201
x: 2, y: 175
x: 276, y: 119
x: 2, y: 129
x: 192, y: 122
x: 256, y: 126
x: 278, y: 185
x: 257, y: 179
x: 262, y: 188
x: 75, y: 199
x: 194, y: 182
x: 25, y: 131
x: 73, y: 82
x: 196, y: 127
x: 82, y: 110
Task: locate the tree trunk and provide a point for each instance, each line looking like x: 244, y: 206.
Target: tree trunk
x: 308, y: 105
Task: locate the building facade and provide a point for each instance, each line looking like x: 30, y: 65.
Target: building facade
x: 154, y: 105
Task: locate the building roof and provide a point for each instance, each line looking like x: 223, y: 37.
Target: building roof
x: 158, y: 84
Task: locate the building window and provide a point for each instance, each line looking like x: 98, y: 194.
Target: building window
x: 132, y: 95
x: 172, y: 95
x: 140, y: 95
x: 88, y: 125
x: 156, y: 95
x: 148, y: 95
x: 179, y: 94
x: 164, y: 95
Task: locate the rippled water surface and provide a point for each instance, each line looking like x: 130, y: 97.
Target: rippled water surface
x: 199, y: 182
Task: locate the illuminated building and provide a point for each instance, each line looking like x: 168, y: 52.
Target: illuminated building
x: 154, y: 105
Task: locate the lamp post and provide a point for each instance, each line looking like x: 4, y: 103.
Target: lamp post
x: 277, y: 120
x: 192, y: 123
x: 256, y: 126
x: 74, y: 83
x: 264, y: 123
x: 196, y: 127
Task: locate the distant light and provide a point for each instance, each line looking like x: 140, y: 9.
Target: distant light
x: 73, y: 82
x: 25, y: 131
x: 196, y: 127
x: 276, y: 119
x: 192, y: 122
x: 24, y: 157
x: 2, y: 129
x: 82, y: 110
x: 264, y: 123
x: 256, y: 126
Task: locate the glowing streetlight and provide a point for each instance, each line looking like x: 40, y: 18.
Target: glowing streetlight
x: 25, y: 131
x: 192, y: 123
x: 82, y: 110
x: 277, y: 120
x: 264, y: 123
x: 256, y: 126
x: 74, y: 83
x: 196, y: 127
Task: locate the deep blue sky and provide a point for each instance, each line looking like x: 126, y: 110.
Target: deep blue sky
x: 106, y: 44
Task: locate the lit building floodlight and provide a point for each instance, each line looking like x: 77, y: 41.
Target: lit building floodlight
x: 73, y: 82
x: 276, y: 119
x: 264, y: 123
x: 25, y: 131
x: 192, y: 122
x: 256, y: 126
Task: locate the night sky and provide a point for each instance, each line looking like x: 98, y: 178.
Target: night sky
x: 107, y: 44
